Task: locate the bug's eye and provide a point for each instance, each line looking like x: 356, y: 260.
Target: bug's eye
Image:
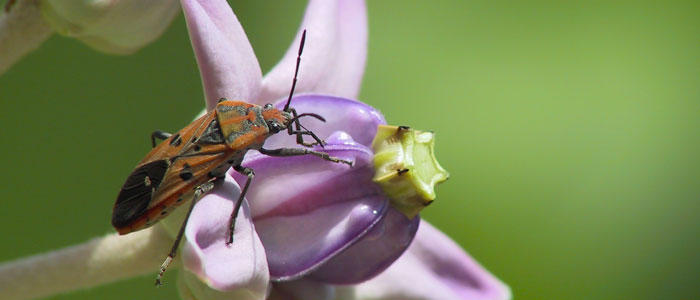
x: 274, y: 127
x: 268, y: 106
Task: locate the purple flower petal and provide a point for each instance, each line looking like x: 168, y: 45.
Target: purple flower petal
x: 359, y: 120
x: 373, y: 253
x: 306, y: 210
x: 241, y: 265
x: 226, y: 60
x: 334, y: 55
x: 302, y: 289
x: 433, y: 268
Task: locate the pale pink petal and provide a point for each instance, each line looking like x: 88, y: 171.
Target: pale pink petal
x: 191, y: 288
x: 433, y: 268
x: 334, y: 55
x: 241, y: 265
x: 226, y: 60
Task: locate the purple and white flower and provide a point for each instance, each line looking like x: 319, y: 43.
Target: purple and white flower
x: 311, y: 229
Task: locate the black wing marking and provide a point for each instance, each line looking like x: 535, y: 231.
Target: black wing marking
x: 136, y: 193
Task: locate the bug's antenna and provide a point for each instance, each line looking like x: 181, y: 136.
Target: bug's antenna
x: 308, y: 115
x: 296, y: 71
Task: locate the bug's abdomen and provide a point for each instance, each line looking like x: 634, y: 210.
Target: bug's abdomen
x: 136, y: 193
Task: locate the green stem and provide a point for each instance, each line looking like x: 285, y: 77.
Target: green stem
x: 98, y: 261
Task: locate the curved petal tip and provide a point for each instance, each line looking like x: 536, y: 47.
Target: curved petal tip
x: 226, y: 60
x: 334, y: 55
x: 241, y: 265
x: 444, y: 270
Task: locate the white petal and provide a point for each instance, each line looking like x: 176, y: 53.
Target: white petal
x: 112, y: 26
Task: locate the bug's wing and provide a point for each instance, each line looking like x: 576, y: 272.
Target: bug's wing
x: 136, y: 193
x: 168, y: 173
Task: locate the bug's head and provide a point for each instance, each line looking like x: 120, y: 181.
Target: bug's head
x: 278, y: 120
x: 275, y: 119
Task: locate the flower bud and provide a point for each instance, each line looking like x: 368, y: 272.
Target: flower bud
x: 111, y: 26
x: 406, y: 168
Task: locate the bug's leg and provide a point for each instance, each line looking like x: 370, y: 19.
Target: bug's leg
x: 299, y: 133
x: 313, y: 135
x: 161, y: 135
x: 247, y: 172
x: 198, y: 193
x: 297, y: 129
x: 302, y: 151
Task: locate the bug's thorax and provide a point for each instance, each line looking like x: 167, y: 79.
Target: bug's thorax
x: 246, y: 126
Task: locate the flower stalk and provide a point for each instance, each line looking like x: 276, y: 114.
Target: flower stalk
x: 95, y: 262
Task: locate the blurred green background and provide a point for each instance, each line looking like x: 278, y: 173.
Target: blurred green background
x: 571, y: 130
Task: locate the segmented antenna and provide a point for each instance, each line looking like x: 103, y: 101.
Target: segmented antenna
x: 296, y: 71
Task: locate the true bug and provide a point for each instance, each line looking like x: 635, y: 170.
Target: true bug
x: 186, y: 165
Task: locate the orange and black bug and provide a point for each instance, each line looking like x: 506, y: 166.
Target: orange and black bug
x: 186, y: 164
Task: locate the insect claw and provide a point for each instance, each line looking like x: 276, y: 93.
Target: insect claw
x: 230, y: 235
x: 342, y: 161
x: 163, y: 267
x: 319, y: 142
x: 310, y: 145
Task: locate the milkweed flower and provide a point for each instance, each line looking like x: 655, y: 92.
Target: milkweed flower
x: 310, y: 226
x: 309, y: 229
